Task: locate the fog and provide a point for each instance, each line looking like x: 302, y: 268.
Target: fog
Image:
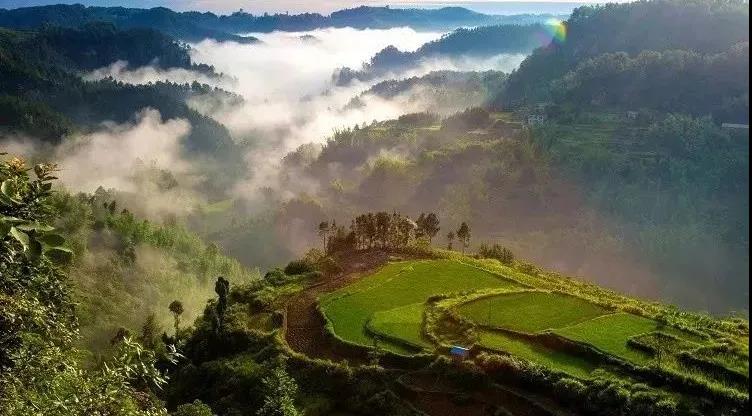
x: 288, y: 91
x: 140, y: 160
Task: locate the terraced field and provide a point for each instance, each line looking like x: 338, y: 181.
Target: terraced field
x: 397, y: 285
x: 403, y: 324
x: 610, y: 334
x: 388, y: 309
x: 530, y: 312
x: 537, y: 353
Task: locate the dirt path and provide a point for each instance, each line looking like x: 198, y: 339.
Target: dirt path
x: 305, y: 330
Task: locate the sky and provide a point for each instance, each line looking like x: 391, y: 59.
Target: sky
x: 321, y: 6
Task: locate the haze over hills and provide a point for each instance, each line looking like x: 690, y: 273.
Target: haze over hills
x: 192, y: 26
x: 376, y: 211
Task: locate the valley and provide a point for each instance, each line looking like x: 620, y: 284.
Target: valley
x: 404, y: 211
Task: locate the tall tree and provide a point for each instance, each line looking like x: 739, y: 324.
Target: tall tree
x: 222, y: 287
x: 383, y: 221
x: 450, y: 239
x: 420, y: 232
x: 176, y: 307
x: 463, y: 235
x: 324, y: 232
x: 280, y: 390
x: 431, y: 226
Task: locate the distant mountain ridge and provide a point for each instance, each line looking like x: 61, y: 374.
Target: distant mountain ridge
x: 196, y: 26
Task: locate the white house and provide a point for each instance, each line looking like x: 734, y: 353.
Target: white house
x: 534, y: 119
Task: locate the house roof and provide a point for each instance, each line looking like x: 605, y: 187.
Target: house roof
x: 734, y: 126
x: 457, y: 350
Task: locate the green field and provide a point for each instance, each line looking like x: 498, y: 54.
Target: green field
x: 530, y: 312
x: 404, y: 323
x: 396, y: 285
x: 559, y: 360
x: 610, y: 333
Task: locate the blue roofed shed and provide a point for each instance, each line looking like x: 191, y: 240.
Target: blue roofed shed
x: 459, y: 352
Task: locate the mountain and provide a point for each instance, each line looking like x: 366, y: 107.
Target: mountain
x: 475, y: 43
x: 630, y: 29
x: 194, y: 26
x: 41, y: 74
x: 570, y: 238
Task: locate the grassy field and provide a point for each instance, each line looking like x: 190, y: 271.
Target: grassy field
x: 559, y: 360
x: 530, y: 311
x: 396, y: 285
x: 403, y: 323
x: 610, y: 334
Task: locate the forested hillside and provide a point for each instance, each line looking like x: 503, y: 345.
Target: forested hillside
x: 479, y: 42
x: 261, y: 227
x: 42, y: 93
x: 617, y: 41
x: 194, y: 26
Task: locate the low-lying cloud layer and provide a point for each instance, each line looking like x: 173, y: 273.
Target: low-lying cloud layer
x: 286, y: 83
x: 142, y: 160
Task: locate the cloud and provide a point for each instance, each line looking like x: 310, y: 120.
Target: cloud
x: 141, y: 160
x: 289, y: 97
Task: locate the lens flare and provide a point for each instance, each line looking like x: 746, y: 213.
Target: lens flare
x: 557, y: 30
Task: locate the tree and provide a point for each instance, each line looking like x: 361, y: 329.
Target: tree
x: 197, y: 408
x: 450, y: 239
x: 497, y: 252
x: 280, y: 390
x: 431, y: 226
x: 383, y: 221
x: 38, y: 318
x: 420, y: 232
x: 222, y: 288
x: 324, y: 232
x: 463, y: 235
x: 176, y: 307
x: 149, y: 332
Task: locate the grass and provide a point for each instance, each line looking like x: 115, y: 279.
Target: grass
x: 399, y: 284
x: 530, y: 312
x: 403, y: 323
x: 610, y: 333
x: 552, y: 358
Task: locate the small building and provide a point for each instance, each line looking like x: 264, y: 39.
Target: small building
x: 534, y: 119
x: 632, y: 115
x: 735, y: 126
x: 459, y: 353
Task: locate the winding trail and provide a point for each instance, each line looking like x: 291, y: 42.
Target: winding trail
x: 305, y: 328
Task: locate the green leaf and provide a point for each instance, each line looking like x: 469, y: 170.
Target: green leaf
x: 5, y: 188
x: 12, y: 220
x: 7, y: 192
x: 20, y: 236
x: 52, y: 240
x: 35, y: 226
x: 34, y: 251
x: 4, y: 228
x: 59, y: 255
x: 7, y: 201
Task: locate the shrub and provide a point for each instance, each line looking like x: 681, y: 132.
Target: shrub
x: 497, y: 252
x: 297, y: 267
x: 569, y: 390
x: 329, y: 266
x: 197, y: 408
x: 665, y: 407
x: 530, y: 269
x: 275, y: 276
